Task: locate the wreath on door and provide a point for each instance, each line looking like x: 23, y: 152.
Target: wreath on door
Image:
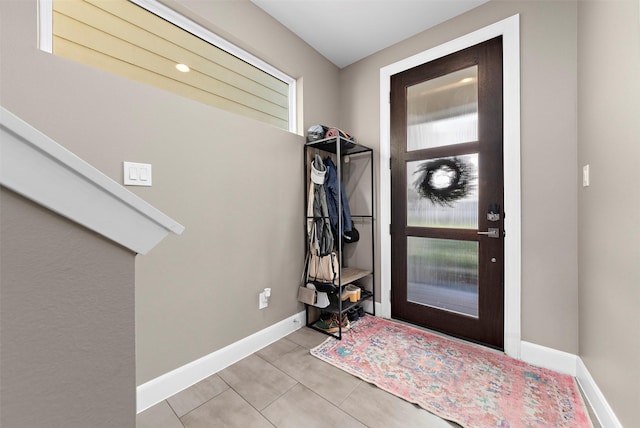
x: 444, y: 181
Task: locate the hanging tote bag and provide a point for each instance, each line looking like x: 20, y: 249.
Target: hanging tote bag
x: 324, y: 271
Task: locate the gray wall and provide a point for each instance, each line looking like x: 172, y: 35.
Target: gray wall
x: 67, y: 313
x: 548, y: 144
x: 235, y: 184
x: 197, y: 293
x: 609, y: 209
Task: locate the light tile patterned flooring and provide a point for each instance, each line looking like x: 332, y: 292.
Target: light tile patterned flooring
x: 283, y: 386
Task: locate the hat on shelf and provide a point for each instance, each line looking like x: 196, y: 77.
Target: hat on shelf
x: 316, y: 132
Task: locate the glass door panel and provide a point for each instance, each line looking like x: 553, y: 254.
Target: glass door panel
x: 430, y: 185
x: 443, y: 273
x: 443, y: 111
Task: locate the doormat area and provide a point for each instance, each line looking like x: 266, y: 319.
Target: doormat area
x: 460, y: 382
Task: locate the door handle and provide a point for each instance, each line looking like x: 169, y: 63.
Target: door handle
x: 492, y: 232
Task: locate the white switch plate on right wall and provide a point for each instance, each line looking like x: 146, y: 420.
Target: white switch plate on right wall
x: 585, y: 176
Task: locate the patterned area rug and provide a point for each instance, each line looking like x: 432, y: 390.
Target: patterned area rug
x: 463, y: 383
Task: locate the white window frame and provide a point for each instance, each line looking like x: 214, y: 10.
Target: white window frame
x: 45, y: 43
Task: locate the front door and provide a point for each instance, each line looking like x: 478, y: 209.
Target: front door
x: 447, y: 195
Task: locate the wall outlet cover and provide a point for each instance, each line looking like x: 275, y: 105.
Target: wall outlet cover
x: 263, y: 300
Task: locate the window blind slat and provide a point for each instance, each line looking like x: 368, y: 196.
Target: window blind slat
x: 136, y: 15
x: 96, y: 40
x: 110, y: 24
x: 96, y: 59
x: 123, y: 38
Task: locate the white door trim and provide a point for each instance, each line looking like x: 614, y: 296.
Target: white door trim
x: 509, y: 28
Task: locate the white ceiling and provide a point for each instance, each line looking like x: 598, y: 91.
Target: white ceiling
x: 345, y: 31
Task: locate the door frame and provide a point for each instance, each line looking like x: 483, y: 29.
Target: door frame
x: 509, y: 29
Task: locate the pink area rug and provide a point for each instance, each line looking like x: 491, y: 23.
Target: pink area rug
x: 463, y: 383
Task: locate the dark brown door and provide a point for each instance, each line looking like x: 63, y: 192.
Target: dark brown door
x: 447, y: 195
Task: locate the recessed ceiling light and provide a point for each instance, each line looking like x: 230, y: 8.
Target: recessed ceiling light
x: 182, y: 67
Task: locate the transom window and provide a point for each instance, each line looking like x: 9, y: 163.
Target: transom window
x: 145, y: 41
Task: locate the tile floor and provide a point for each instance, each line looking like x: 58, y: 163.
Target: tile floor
x: 283, y: 386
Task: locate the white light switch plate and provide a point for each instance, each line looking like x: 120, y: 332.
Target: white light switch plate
x: 137, y: 174
x: 585, y: 176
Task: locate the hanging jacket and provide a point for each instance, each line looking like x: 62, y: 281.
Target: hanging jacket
x: 318, y: 225
x: 332, y: 192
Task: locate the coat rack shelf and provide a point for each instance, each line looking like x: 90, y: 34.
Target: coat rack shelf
x: 354, y: 165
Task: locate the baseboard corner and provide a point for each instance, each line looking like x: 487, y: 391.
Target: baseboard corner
x: 549, y: 358
x: 595, y: 398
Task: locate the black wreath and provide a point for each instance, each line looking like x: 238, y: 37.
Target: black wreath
x: 459, y: 186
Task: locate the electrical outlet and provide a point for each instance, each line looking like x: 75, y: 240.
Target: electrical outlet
x: 263, y: 300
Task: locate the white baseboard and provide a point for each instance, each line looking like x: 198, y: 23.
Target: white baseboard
x: 163, y: 387
x: 564, y: 362
x: 549, y: 358
x: 596, y: 399
x: 378, y: 307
